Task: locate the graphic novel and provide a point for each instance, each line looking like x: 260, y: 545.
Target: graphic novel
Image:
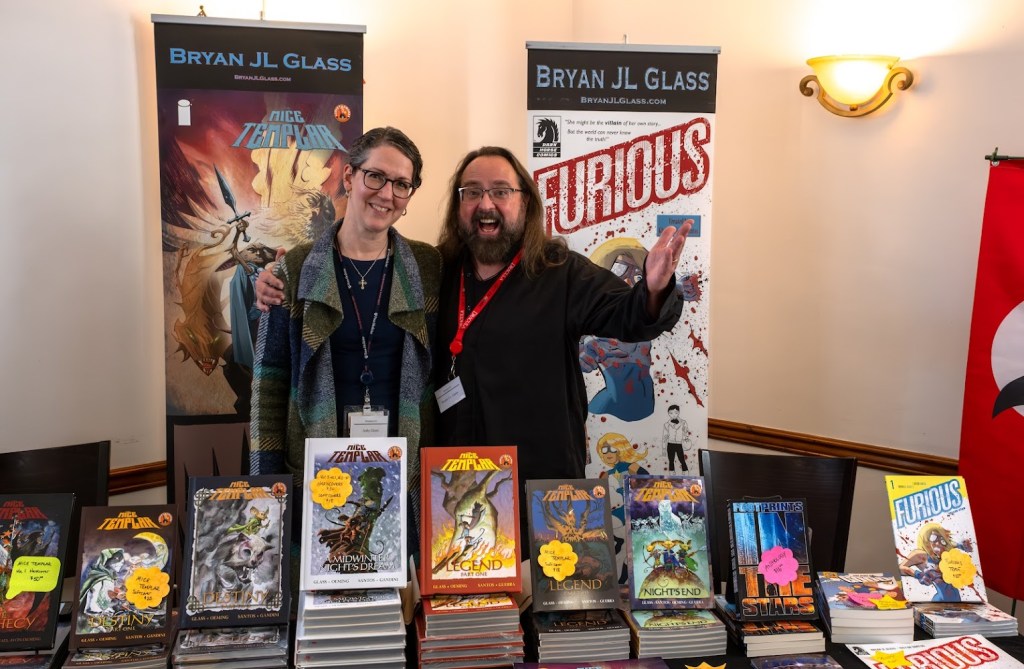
x: 33, y: 539
x: 571, y: 547
x: 935, y: 541
x: 470, y: 534
x: 770, y: 559
x: 353, y: 525
x: 236, y: 551
x: 667, y: 544
x: 847, y: 595
x: 125, y: 576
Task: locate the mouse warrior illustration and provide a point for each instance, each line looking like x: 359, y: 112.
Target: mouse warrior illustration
x: 352, y: 536
x: 468, y: 502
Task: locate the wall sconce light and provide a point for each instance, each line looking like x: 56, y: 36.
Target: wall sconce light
x: 855, y: 85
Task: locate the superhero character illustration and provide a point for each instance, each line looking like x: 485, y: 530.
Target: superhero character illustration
x: 933, y: 540
x: 628, y: 392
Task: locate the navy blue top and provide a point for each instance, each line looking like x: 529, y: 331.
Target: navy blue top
x: 385, y: 345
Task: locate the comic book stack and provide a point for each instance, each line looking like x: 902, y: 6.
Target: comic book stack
x: 370, y: 622
x: 864, y: 608
x: 353, y: 539
x: 33, y: 550
x: 771, y: 579
x: 576, y: 591
x: 235, y: 599
x: 670, y: 587
x: 452, y: 627
x: 470, y: 552
x: 122, y: 615
x: 938, y: 557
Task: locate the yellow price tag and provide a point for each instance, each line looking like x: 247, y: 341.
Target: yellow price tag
x: 33, y: 574
x: 957, y: 568
x: 888, y: 603
x: 891, y: 660
x: 705, y: 665
x: 558, y: 560
x: 146, y: 587
x: 331, y: 488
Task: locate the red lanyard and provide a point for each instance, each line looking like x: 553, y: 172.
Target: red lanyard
x: 464, y: 321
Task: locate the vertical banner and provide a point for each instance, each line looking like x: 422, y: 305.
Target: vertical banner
x: 992, y: 432
x: 254, y: 119
x: 621, y: 147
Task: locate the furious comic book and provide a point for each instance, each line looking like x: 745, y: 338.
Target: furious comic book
x: 237, y: 540
x: 125, y: 576
x: 33, y: 541
x: 667, y: 543
x: 354, y: 515
x: 571, y: 547
x: 470, y: 533
x: 970, y: 650
x: 771, y: 560
x: 935, y: 540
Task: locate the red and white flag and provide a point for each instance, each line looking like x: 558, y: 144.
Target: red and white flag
x: 992, y: 433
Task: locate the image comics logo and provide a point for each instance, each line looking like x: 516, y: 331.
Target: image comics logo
x: 342, y: 113
x: 395, y: 453
x: 505, y: 461
x: 279, y: 490
x: 164, y: 519
x: 597, y: 492
x: 547, y: 136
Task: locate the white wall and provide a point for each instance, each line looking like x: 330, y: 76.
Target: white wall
x: 844, y: 249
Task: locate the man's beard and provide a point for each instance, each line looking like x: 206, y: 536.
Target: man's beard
x: 491, y: 250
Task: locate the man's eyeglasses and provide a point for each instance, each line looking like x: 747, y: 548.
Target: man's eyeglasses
x: 498, y: 194
x: 399, y: 187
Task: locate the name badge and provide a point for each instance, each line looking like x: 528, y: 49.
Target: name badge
x: 363, y: 423
x: 450, y: 394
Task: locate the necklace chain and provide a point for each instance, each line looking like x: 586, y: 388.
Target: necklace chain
x: 362, y: 275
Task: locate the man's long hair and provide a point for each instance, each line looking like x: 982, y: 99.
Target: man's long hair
x: 539, y: 250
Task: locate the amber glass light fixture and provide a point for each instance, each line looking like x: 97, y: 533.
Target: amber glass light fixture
x: 855, y: 85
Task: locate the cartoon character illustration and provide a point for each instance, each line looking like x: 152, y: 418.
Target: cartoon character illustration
x: 628, y: 392
x: 258, y: 520
x: 923, y: 564
x: 675, y: 437
x: 230, y: 558
x: 356, y: 527
x: 102, y: 587
x: 476, y: 517
x: 620, y: 458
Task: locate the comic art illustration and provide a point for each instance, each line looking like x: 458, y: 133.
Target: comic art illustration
x: 668, y: 543
x: 125, y: 576
x: 33, y: 538
x: 771, y: 563
x: 252, y: 149
x: 470, y: 534
x: 616, y: 167
x: 936, y: 544
x: 354, y: 516
x: 236, y: 552
x: 571, y: 546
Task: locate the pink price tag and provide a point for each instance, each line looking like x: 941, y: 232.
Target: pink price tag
x: 778, y: 566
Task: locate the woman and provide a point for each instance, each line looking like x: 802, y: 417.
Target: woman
x: 356, y: 327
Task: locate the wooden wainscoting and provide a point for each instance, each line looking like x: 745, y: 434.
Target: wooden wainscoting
x: 154, y: 474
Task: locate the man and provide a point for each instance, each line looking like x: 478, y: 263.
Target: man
x: 509, y: 372
x: 526, y: 301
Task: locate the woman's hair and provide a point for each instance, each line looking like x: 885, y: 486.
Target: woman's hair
x: 359, y: 150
